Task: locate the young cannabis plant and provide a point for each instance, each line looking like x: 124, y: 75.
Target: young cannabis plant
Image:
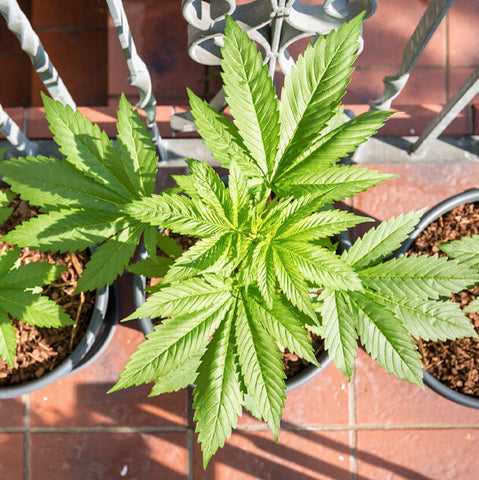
x: 19, y: 298
x: 85, y: 195
x: 265, y: 270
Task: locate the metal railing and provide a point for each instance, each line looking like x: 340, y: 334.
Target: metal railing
x: 274, y: 25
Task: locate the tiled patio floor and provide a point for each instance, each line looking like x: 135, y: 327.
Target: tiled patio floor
x: 374, y: 428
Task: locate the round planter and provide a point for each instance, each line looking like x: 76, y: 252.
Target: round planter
x: 300, y: 378
x: 469, y: 196
x: 98, y: 335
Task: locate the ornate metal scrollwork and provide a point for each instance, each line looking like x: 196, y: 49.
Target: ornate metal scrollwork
x: 275, y: 25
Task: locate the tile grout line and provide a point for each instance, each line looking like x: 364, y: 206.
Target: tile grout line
x: 27, y: 440
x: 353, y: 436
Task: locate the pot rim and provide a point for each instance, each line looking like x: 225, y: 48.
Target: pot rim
x: 469, y: 196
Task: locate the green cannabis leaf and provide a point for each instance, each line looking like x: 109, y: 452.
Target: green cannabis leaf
x: 86, y: 193
x: 19, y: 300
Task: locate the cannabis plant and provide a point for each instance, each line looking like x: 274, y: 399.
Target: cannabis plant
x: 20, y: 298
x: 264, y: 271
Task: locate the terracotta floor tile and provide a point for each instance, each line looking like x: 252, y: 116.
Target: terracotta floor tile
x: 81, y: 399
x: 418, y: 454
x: 322, y: 401
x: 164, y: 50
x: 387, y: 31
x: 382, y: 399
x: 109, y: 456
x: 418, y: 186
x: 80, y: 58
x: 462, y: 24
x: 300, y: 455
x: 55, y: 13
x: 11, y: 412
x: 11, y: 456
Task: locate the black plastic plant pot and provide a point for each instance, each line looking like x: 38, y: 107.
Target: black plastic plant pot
x: 99, y: 333
x: 297, y: 380
x: 469, y: 196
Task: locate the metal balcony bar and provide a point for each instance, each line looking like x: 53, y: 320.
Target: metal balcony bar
x: 15, y: 136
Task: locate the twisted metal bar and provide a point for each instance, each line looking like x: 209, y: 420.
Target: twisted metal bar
x: 15, y: 136
x: 18, y: 23
x: 140, y: 77
x: 426, y: 27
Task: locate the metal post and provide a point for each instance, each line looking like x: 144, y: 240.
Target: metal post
x: 140, y: 77
x: 426, y: 27
x: 15, y: 136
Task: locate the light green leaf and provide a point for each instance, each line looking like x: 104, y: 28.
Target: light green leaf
x: 8, y: 341
x: 261, y: 367
x: 217, y: 396
x: 314, y: 88
x: 333, y: 183
x: 28, y: 276
x: 340, y: 337
x: 189, y: 296
x: 381, y: 241
x: 109, y: 260
x: 418, y: 276
x: 151, y: 267
x: 136, y: 150
x: 428, y: 319
x: 385, y: 338
x: 266, y: 277
x: 170, y: 345
x: 221, y: 137
x: 465, y: 250
x: 251, y: 96
x: 180, y: 377
x: 473, y: 306
x: 284, y: 324
x: 66, y: 230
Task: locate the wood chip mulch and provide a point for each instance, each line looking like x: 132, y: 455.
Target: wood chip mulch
x: 40, y: 350
x: 455, y: 363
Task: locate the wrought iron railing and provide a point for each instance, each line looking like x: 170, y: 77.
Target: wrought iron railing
x: 274, y: 25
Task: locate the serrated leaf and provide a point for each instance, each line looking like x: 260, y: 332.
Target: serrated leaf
x: 284, y: 325
x: 473, y: 306
x: 320, y: 266
x: 136, y: 150
x: 66, y: 230
x: 291, y: 281
x: 84, y: 145
x: 202, y: 256
x: 314, y: 88
x: 210, y: 188
x: 428, y: 319
x: 381, y: 241
x: 29, y: 275
x: 385, y: 338
x: 338, y: 330
x: 333, y: 183
x: 266, y: 278
x: 221, y: 137
x: 418, y: 276
x: 109, y: 260
x: 180, y: 377
x: 151, y: 267
x: 261, y: 367
x: 180, y: 214
x: 329, y: 148
x: 169, y: 345
x: 169, y: 246
x: 319, y: 225
x: 251, y: 96
x: 8, y: 341
x: 465, y: 251
x: 217, y: 396
x: 186, y: 297
x: 238, y: 191
x: 55, y: 183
